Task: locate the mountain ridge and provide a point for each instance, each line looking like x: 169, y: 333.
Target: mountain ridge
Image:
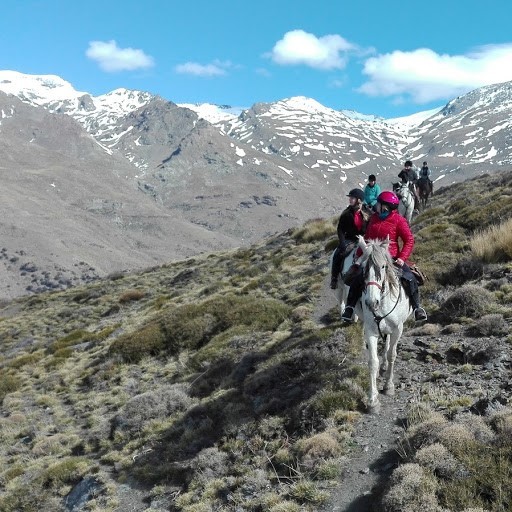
x: 218, y: 184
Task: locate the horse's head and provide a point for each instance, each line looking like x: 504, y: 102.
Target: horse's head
x: 379, y: 271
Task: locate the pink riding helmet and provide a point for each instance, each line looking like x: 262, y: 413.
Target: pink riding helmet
x: 388, y: 197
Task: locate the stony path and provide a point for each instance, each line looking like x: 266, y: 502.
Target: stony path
x: 373, y: 458
x: 374, y: 455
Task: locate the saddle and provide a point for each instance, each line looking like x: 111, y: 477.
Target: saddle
x: 348, y: 248
x: 418, y: 274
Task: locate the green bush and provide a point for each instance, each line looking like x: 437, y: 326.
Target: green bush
x: 132, y: 347
x: 489, y: 325
x: 26, y: 359
x: 8, y: 384
x: 468, y: 301
x: 131, y: 295
x: 314, y: 230
x: 193, y: 325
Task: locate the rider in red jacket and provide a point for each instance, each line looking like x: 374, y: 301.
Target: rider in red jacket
x: 385, y: 222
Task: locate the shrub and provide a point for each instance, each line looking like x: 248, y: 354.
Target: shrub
x: 494, y: 244
x: 8, y: 384
x: 131, y: 295
x: 427, y: 431
x: 26, y: 359
x: 210, y: 463
x: 469, y: 300
x: 320, y: 446
x: 286, y: 506
x: 314, y: 230
x: 305, y: 491
x: 348, y: 396
x: 193, y: 325
x: 464, y: 270
x: 456, y: 435
x: 489, y: 325
x: 73, y: 338
x: 437, y: 459
x: 132, y: 347
x: 411, y: 488
x: 158, y: 403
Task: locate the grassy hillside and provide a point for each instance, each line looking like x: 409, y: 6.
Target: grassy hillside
x: 210, y: 384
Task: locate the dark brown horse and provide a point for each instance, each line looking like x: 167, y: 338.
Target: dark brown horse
x: 424, y: 191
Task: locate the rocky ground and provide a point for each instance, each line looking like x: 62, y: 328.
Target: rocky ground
x: 458, y: 374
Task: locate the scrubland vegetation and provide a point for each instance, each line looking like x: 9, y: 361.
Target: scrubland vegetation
x: 209, y: 384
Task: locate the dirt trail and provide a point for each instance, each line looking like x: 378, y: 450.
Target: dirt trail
x: 375, y: 455
x: 372, y: 459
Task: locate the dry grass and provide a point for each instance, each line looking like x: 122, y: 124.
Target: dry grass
x: 466, y: 461
x: 220, y: 387
x: 494, y: 244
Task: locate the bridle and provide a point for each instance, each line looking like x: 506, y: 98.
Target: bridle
x: 382, y: 287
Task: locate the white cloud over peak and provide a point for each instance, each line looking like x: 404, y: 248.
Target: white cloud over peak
x: 111, y: 58
x: 424, y: 75
x: 298, y: 47
x: 216, y: 68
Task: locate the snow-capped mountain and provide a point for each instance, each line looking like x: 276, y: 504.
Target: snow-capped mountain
x: 214, y: 113
x: 471, y: 134
x: 204, y: 177
x: 307, y: 134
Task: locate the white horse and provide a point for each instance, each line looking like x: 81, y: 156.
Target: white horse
x: 341, y: 291
x: 383, y: 308
x: 406, y: 206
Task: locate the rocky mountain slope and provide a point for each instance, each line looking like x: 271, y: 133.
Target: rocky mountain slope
x: 227, y: 381
x: 71, y: 212
x: 199, y: 178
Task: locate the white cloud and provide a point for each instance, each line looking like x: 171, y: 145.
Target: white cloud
x: 112, y: 58
x: 425, y: 76
x: 263, y: 72
x: 299, y: 47
x: 216, y: 68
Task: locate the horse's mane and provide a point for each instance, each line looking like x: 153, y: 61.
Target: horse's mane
x: 378, y: 256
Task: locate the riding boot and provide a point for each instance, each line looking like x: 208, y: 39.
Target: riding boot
x: 354, y: 294
x: 414, y: 298
x: 337, y: 261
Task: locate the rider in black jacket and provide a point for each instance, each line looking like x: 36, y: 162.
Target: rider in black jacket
x: 352, y: 223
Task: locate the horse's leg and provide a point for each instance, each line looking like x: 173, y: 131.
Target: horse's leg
x: 373, y: 365
x: 384, y: 365
x: 390, y: 356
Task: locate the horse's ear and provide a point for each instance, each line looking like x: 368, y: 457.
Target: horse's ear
x: 386, y: 242
x: 362, y: 245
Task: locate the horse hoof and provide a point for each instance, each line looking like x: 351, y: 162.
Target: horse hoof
x: 389, y: 391
x: 374, y: 409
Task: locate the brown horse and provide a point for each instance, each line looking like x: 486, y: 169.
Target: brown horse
x: 424, y: 187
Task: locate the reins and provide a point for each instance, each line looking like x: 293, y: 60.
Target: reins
x: 378, y: 319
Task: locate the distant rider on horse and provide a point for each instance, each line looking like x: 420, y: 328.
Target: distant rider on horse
x: 409, y: 175
x: 371, y: 192
x: 425, y: 173
x: 352, y: 222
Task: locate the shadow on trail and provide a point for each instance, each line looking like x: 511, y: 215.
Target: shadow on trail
x: 371, y: 501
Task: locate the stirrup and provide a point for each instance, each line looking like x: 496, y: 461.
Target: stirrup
x: 420, y: 314
x: 348, y: 314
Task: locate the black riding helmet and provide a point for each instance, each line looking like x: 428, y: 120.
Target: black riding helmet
x: 357, y: 193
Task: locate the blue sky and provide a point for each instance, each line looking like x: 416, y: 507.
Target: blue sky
x: 389, y: 58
